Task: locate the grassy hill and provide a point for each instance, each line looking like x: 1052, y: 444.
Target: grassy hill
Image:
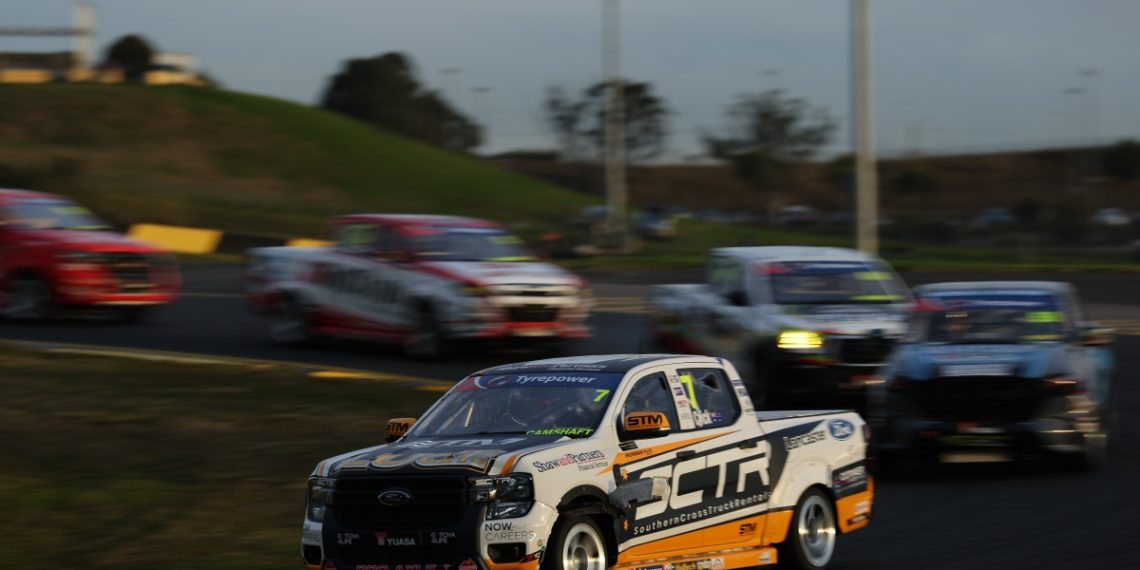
x: 235, y: 161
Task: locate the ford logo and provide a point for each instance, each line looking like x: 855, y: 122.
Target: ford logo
x: 840, y: 429
x: 394, y: 497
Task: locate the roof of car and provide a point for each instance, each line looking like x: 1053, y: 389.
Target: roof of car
x: 613, y: 363
x: 994, y: 286
x: 418, y: 219
x: 16, y: 193
x: 778, y: 253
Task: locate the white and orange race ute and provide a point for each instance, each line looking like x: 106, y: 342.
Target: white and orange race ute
x: 423, y: 282
x: 638, y: 462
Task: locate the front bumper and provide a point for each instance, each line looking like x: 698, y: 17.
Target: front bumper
x: 95, y: 286
x: 494, y: 318
x: 470, y: 543
x: 1060, y: 426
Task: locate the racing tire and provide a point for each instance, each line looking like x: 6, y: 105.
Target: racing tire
x: 291, y: 324
x: 427, y: 341
x: 31, y: 300
x: 576, y: 544
x: 813, y: 533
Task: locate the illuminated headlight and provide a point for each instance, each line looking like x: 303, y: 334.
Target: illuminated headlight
x: 507, y: 497
x: 320, y: 495
x: 800, y: 340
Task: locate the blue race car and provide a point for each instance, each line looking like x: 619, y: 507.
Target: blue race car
x: 995, y: 371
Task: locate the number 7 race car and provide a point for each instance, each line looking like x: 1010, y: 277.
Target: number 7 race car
x: 595, y: 462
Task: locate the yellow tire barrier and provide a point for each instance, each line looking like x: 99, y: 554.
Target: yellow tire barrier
x: 177, y: 239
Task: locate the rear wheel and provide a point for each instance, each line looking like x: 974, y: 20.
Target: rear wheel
x: 31, y: 300
x: 811, y: 539
x: 426, y: 341
x: 576, y: 544
x: 290, y: 324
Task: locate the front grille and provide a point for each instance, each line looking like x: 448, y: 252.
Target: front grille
x: 867, y: 350
x: 533, y: 314
x: 129, y: 269
x: 981, y: 399
x: 437, y: 501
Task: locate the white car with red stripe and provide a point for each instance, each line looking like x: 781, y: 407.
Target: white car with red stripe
x: 421, y: 281
x: 633, y: 462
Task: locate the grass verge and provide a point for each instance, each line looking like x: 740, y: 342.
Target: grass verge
x: 109, y: 463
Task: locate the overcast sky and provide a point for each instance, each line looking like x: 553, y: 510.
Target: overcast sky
x: 951, y: 75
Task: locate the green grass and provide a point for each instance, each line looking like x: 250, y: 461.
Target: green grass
x: 120, y: 464
x: 247, y: 163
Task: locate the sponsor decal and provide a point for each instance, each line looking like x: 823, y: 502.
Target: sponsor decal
x: 765, y: 557
x: 571, y: 432
x: 862, y: 507
x: 311, y: 535
x: 582, y: 367
x: 510, y: 536
x: 478, y: 460
x: 384, y: 538
x: 741, y: 481
x: 585, y: 461
x: 679, y: 391
x: 461, y: 443
x: 442, y: 537
x: 369, y: 285
x: 404, y: 566
x: 347, y: 538
x: 850, y: 476
x: 809, y: 438
x: 627, y: 445
x: 747, y: 529
x: 708, y: 564
x: 468, y: 564
x: 841, y: 429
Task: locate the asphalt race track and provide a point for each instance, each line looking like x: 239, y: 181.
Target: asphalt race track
x: 993, y: 516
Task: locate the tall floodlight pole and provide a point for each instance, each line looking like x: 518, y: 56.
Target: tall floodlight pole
x: 615, y: 120
x: 863, y: 133
x: 83, y: 18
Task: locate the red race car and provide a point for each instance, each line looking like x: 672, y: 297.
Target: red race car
x: 56, y: 255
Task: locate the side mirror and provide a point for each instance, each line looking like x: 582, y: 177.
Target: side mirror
x: 397, y: 428
x: 644, y: 425
x: 1095, y: 334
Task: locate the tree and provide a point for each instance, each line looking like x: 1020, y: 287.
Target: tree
x: 384, y: 91
x: 580, y: 123
x: 767, y: 132
x: 133, y: 54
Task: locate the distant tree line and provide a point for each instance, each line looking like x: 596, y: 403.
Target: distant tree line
x: 385, y: 92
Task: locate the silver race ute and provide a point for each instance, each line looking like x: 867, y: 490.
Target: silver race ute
x: 421, y: 282
x: 594, y: 462
x: 803, y: 323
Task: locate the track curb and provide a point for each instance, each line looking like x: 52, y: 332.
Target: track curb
x: 313, y: 371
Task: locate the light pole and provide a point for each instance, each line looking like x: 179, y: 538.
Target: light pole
x: 615, y: 121
x: 863, y: 132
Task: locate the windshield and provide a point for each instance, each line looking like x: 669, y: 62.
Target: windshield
x: 983, y: 319
x: 538, y: 403
x: 832, y: 282
x: 54, y: 214
x: 470, y: 244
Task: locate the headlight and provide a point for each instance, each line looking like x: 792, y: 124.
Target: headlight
x: 320, y: 495
x: 800, y: 340
x: 507, y: 497
x: 474, y: 291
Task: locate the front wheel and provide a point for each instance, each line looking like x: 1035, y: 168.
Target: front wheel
x: 290, y: 324
x: 576, y: 544
x: 31, y: 300
x: 811, y: 539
